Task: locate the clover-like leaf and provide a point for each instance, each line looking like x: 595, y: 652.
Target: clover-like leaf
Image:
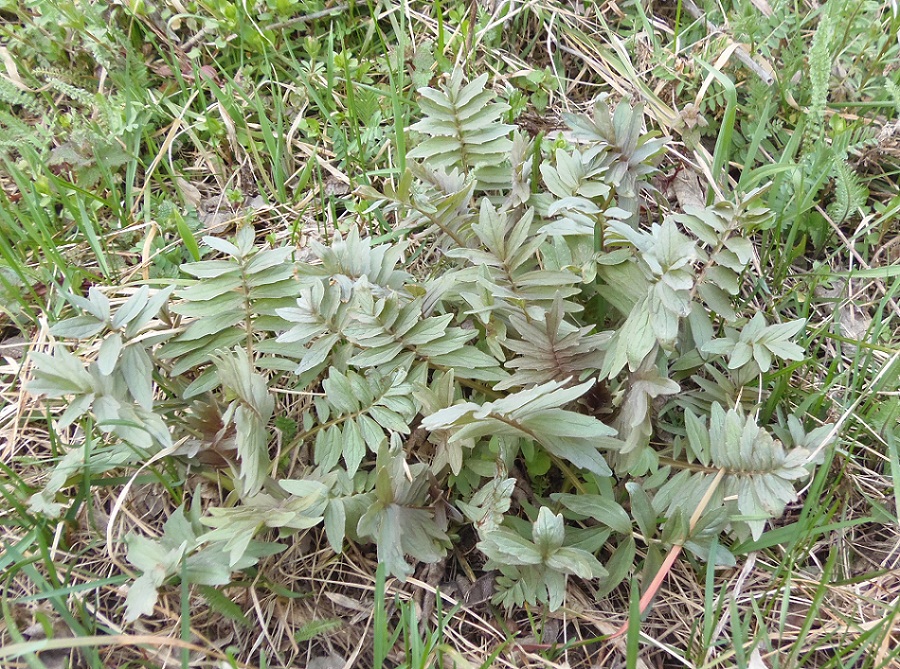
x: 758, y: 342
x: 536, y: 570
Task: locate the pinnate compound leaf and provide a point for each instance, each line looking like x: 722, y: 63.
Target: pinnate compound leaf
x: 398, y: 521
x: 251, y: 411
x: 234, y: 527
x: 536, y: 570
x: 463, y: 126
x: 488, y: 506
x: 162, y: 558
x: 634, y: 421
x: 557, y: 243
x: 552, y: 350
x: 759, y: 472
x: 534, y: 413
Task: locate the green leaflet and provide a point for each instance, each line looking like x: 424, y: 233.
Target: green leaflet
x: 180, y: 552
x: 551, y: 349
x: 758, y: 343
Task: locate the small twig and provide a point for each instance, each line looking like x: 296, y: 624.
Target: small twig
x: 314, y: 16
x: 195, y: 39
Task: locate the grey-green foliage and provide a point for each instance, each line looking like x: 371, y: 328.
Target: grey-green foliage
x: 358, y: 412
x: 535, y: 569
x: 117, y: 385
x: 759, y: 472
x: 398, y: 518
x: 426, y: 396
x: 250, y: 411
x: 180, y: 552
x: 504, y: 277
x: 232, y: 301
x: 536, y: 414
x: 464, y: 130
x: 758, y: 343
x: 551, y: 348
x: 626, y: 154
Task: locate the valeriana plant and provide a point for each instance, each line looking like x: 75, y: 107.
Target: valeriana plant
x: 516, y: 386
